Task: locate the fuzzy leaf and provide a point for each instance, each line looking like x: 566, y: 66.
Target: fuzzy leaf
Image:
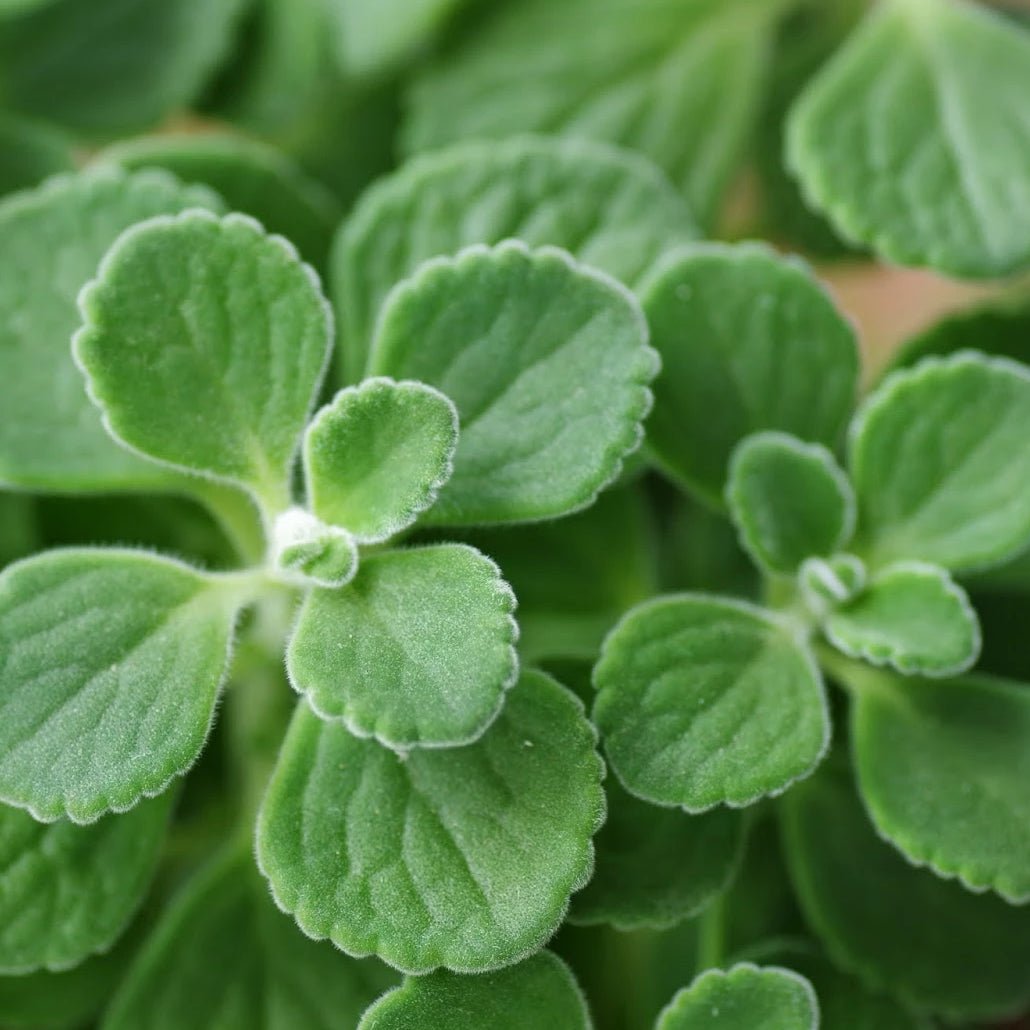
x: 67, y: 891
x: 463, y: 858
x: 913, y: 617
x: 110, y: 665
x: 539, y: 992
x: 748, y: 341
x: 312, y: 552
x: 30, y: 153
x: 828, y: 583
x: 417, y: 651
x: 789, y: 500
x: 940, y: 463
x: 377, y: 456
x: 51, y: 437
x: 914, y: 138
x: 744, y: 997
x: 204, y: 343
x: 548, y: 365
x: 610, y: 208
x: 705, y: 701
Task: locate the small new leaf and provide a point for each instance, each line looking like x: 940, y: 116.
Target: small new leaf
x: 310, y: 551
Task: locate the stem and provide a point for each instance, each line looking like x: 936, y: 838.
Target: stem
x: 711, y: 935
x: 238, y: 516
x: 854, y: 676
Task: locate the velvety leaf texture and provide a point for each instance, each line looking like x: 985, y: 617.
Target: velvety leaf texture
x: 311, y: 551
x: 463, y: 858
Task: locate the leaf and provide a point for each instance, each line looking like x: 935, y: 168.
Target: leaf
x: 827, y: 584
x: 705, y: 701
x: 463, y: 858
x: 657, y: 866
x: 610, y: 208
x: 943, y: 769
x: 680, y: 83
x: 540, y: 991
x: 789, y: 500
x: 548, y: 365
x: 913, y: 617
x: 743, y: 998
x: 376, y: 457
x: 51, y: 437
x: 29, y: 153
x: 312, y: 552
x: 204, y: 342
x: 223, y: 956
x: 748, y: 341
x: 418, y: 651
x: 67, y: 891
x: 900, y: 929
x: 939, y: 463
x: 110, y: 665
x: 912, y: 139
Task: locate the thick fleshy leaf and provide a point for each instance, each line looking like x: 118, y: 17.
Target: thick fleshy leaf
x: 223, y: 956
x: 911, y: 616
x: 748, y: 341
x: 377, y: 456
x: 790, y: 500
x: 67, y: 891
x: 539, y: 992
x: 899, y: 928
x: 609, y: 208
x: 30, y: 152
x: 704, y: 701
x: 940, y: 463
x: 914, y: 140
x: 51, y: 437
x: 548, y: 364
x: 305, y: 549
x: 944, y: 770
x: 828, y: 583
x: 110, y: 666
x: 463, y: 858
x: 204, y: 342
x: 744, y: 997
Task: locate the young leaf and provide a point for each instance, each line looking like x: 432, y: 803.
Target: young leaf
x: 463, y: 858
x: 913, y: 139
x: 67, y: 891
x: 30, y: 152
x: 610, y: 208
x: 828, y: 583
x: 51, y: 437
x: 940, y: 463
x: 748, y: 341
x: 204, y: 343
x: 705, y: 701
x: 539, y: 992
x: 548, y: 365
x: 377, y: 456
x: 789, y: 500
x: 743, y: 998
x: 315, y: 553
x: 418, y: 651
x: 223, y: 956
x: 913, y: 617
x: 110, y: 665
x: 943, y: 769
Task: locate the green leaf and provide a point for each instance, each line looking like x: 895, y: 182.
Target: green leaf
x: 913, y: 139
x: 204, y: 342
x: 943, y: 769
x: 899, y: 928
x: 743, y: 998
x: 110, y: 665
x: 789, y: 500
x: 312, y: 552
x: 940, y: 463
x: 51, y: 437
x: 463, y: 858
x: 418, y: 651
x: 913, y: 617
x: 223, y: 956
x: 748, y: 341
x: 657, y: 866
x: 548, y: 365
x: 376, y: 457
x: 679, y: 82
x: 29, y: 153
x: 539, y: 992
x: 610, y: 208
x: 828, y: 583
x: 705, y: 701
x: 67, y: 891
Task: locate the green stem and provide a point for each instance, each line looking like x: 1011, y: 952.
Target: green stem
x: 711, y: 935
x: 854, y: 676
x: 237, y: 514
